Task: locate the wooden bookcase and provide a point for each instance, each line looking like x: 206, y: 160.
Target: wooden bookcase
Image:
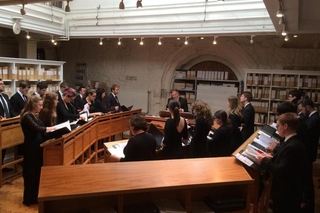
x: 14, y: 70
x: 271, y: 87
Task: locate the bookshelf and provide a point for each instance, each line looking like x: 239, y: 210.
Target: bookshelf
x: 271, y: 87
x: 14, y: 70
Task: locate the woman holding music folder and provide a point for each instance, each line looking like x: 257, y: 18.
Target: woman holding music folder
x: 48, y: 115
x: 235, y: 116
x: 175, y: 132
x: 33, y: 130
x: 140, y: 147
x: 199, y: 146
x: 65, y: 109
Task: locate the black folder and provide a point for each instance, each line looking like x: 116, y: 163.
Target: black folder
x: 124, y: 108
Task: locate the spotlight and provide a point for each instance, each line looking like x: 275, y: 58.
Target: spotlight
x: 28, y: 36
x: 22, y: 11
x: 160, y: 42
x: 121, y: 5
x: 52, y: 39
x: 280, y: 10
x: 67, y: 9
x: 178, y: 38
x: 134, y: 39
x: 251, y: 40
x: 55, y: 43
x: 186, y: 41
x: 295, y: 36
x: 139, y: 4
x: 286, y: 38
x: 101, y: 42
x: 119, y: 41
x: 141, y: 41
x: 284, y: 32
x: 214, y: 40
x: 201, y: 38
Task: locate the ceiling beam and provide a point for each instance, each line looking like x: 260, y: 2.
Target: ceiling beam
x: 14, y: 2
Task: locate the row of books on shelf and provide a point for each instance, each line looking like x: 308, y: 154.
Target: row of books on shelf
x: 260, y: 106
x: 33, y: 88
x: 29, y: 73
x: 201, y: 74
x: 266, y: 135
x: 260, y: 118
x: 283, y: 80
x: 189, y: 96
x: 183, y: 86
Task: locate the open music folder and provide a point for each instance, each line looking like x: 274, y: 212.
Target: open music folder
x: 61, y: 129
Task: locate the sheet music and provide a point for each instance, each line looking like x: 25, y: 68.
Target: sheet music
x: 117, y: 150
x: 62, y: 125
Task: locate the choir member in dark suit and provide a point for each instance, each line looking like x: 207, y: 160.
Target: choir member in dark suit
x: 65, y: 110
x: 6, y: 110
x: 41, y: 89
x: 294, y: 96
x: 311, y: 140
x: 235, y: 117
x: 33, y: 130
x: 183, y: 102
x: 220, y: 145
x: 175, y: 132
x: 140, y: 147
x: 64, y: 86
x: 79, y: 101
x: 113, y: 103
x: 247, y: 125
x: 199, y: 146
x: 95, y: 107
x: 287, y: 166
x: 19, y: 98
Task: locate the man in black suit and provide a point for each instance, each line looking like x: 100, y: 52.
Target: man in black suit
x: 19, y: 98
x: 41, y: 89
x: 287, y: 166
x: 79, y: 101
x: 5, y: 110
x: 63, y: 87
x: 247, y: 125
x: 311, y: 140
x: 176, y: 96
x: 113, y: 103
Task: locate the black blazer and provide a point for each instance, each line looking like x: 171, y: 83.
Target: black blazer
x: 17, y: 103
x: 9, y: 106
x: 288, y: 168
x: 79, y: 103
x: 64, y: 114
x: 112, y: 103
x: 183, y: 103
x: 247, y: 122
x: 311, y: 140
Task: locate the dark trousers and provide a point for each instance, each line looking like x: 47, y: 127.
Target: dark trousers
x: 286, y: 207
x: 308, y: 192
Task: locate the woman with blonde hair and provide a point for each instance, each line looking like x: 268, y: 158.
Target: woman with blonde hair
x: 235, y: 117
x: 198, y: 145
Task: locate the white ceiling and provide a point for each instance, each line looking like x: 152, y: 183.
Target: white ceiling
x: 165, y: 18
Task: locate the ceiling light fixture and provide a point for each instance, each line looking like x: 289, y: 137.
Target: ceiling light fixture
x: 186, y: 41
x: 251, y: 40
x: 52, y: 39
x: 282, y: 21
x: 160, y: 42
x: 121, y: 5
x: 286, y: 38
x: 280, y: 10
x: 284, y: 32
x: 214, y: 40
x: 28, y: 36
x: 101, y: 42
x: 178, y: 38
x: 55, y: 43
x: 134, y: 39
x: 67, y: 8
x: 139, y: 3
x: 119, y: 41
x: 201, y: 38
x: 141, y: 41
x: 22, y: 11
x: 295, y: 36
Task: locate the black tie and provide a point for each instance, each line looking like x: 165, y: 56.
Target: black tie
x: 116, y: 99
x: 5, y: 107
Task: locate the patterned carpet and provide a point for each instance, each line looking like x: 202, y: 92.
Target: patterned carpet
x: 11, y: 195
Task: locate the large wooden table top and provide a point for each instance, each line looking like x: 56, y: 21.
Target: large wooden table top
x: 65, y: 182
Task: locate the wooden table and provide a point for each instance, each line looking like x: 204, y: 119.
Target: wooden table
x: 84, y: 187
